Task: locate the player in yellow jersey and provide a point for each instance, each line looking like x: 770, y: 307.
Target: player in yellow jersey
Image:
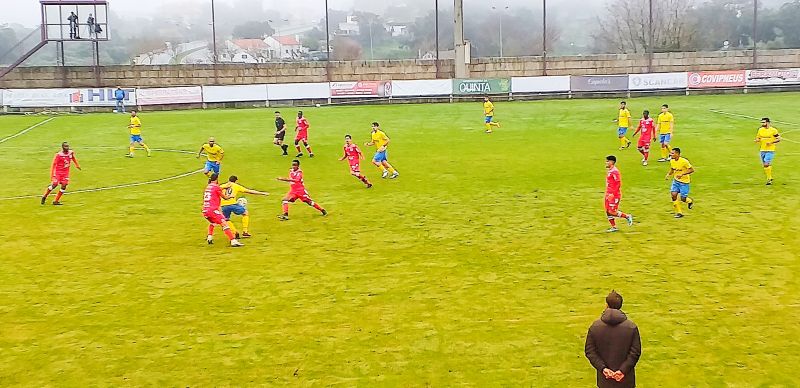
x: 766, y: 138
x: 233, y: 203
x: 665, y: 125
x: 214, y: 155
x: 136, y: 135
x: 488, y: 112
x: 380, y: 160
x: 680, y: 170
x: 624, y: 122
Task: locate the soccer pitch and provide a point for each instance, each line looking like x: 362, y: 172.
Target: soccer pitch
x: 483, y: 264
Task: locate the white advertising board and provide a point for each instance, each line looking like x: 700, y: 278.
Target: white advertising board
x: 428, y: 87
x: 178, y: 95
x: 298, y: 91
x: 773, y: 77
x: 42, y: 98
x: 540, y: 84
x: 234, y: 93
x: 658, y: 81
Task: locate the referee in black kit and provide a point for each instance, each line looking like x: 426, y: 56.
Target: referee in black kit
x: 280, y: 132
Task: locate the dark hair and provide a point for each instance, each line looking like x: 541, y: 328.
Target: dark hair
x: 614, y: 300
x: 665, y: 106
x: 623, y: 103
x: 348, y: 137
x: 278, y: 112
x: 375, y: 124
x: 612, y: 158
x: 765, y: 119
x: 233, y: 178
x: 63, y: 143
x: 676, y: 149
x: 296, y: 161
x: 646, y: 112
x: 213, y: 177
x: 300, y: 113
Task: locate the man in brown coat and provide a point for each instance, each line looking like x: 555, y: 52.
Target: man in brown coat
x: 613, y: 346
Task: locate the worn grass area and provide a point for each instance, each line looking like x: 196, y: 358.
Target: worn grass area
x: 482, y: 265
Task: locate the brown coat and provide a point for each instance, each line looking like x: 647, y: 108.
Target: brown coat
x: 613, y: 342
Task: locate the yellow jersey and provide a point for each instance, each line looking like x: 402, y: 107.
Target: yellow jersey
x: 379, y: 138
x: 233, y: 190
x: 681, y: 167
x: 766, y: 138
x: 136, y: 126
x: 488, y: 109
x: 664, y: 121
x: 624, y: 119
x: 214, y: 153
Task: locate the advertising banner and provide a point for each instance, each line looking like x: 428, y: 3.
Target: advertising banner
x: 481, y: 86
x: 298, y: 91
x: 164, y: 96
x: 235, y: 93
x: 717, y: 79
x: 540, y: 84
x: 64, y: 97
x: 773, y: 77
x: 658, y: 81
x: 428, y: 87
x: 598, y: 83
x: 361, y: 89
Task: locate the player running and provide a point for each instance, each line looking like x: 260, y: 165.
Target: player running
x: 381, y: 143
x: 233, y: 205
x: 648, y: 130
x: 665, y: 126
x: 488, y: 112
x: 767, y: 137
x: 354, y: 157
x: 679, y: 170
x: 614, y: 194
x: 212, y: 197
x: 623, y: 121
x: 280, y: 133
x: 59, y: 173
x: 136, y: 135
x: 302, y: 135
x: 214, y: 155
x: 297, y: 190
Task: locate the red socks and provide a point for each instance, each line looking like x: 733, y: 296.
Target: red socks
x: 58, y: 196
x: 210, y: 229
x: 612, y: 222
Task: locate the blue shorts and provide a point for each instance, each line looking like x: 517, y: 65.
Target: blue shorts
x: 680, y: 187
x: 621, y: 131
x: 380, y: 157
x: 212, y: 166
x: 489, y: 119
x: 767, y: 156
x: 665, y: 138
x: 136, y: 138
x: 235, y: 209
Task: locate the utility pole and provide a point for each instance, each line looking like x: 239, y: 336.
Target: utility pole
x: 436, y: 32
x: 650, y: 39
x: 460, y: 49
x: 213, y: 32
x: 327, y: 44
x: 544, y: 37
x: 500, y: 21
x: 755, y: 34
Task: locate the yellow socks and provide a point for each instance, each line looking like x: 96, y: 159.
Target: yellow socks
x: 677, y: 206
x: 391, y: 169
x: 130, y: 150
x: 664, y: 152
x: 623, y: 141
x: 768, y: 171
x: 245, y: 223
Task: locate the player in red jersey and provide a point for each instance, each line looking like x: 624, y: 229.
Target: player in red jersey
x: 354, y: 157
x: 302, y: 135
x: 212, y: 197
x: 648, y: 129
x: 613, y: 194
x: 59, y: 172
x: 297, y: 191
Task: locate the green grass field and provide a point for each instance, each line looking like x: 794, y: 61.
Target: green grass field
x: 482, y: 265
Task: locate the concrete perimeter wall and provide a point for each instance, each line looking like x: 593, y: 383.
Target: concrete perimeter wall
x: 270, y: 73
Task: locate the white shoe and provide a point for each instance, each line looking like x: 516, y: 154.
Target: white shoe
x: 644, y: 162
x: 395, y: 175
x: 236, y: 243
x: 630, y: 219
x: 611, y: 230
x: 385, y: 173
x: 210, y: 239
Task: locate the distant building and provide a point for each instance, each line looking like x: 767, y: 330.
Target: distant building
x: 284, y: 47
x: 446, y: 54
x: 397, y: 28
x: 350, y: 27
x: 196, y: 52
x: 245, y: 51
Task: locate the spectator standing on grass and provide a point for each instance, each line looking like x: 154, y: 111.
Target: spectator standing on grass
x: 119, y: 96
x: 613, y: 346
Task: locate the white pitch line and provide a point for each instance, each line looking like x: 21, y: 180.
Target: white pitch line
x: 24, y: 131
x: 754, y: 118
x: 122, y: 186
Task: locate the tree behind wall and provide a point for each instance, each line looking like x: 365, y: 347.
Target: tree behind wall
x: 623, y: 27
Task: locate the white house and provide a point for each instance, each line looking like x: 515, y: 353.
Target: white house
x: 245, y: 51
x: 284, y: 47
x: 396, y: 28
x: 350, y: 27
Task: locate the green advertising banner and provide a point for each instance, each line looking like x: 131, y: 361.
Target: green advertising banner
x: 481, y: 86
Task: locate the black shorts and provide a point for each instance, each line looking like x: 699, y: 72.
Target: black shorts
x: 280, y: 135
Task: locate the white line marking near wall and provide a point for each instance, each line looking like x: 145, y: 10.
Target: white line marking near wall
x: 754, y: 118
x: 24, y: 131
x: 122, y: 186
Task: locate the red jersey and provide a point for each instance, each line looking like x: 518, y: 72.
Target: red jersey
x: 353, y: 153
x: 211, y: 197
x: 648, y: 128
x: 613, y: 181
x: 297, y: 180
x: 62, y: 162
x: 302, y: 124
